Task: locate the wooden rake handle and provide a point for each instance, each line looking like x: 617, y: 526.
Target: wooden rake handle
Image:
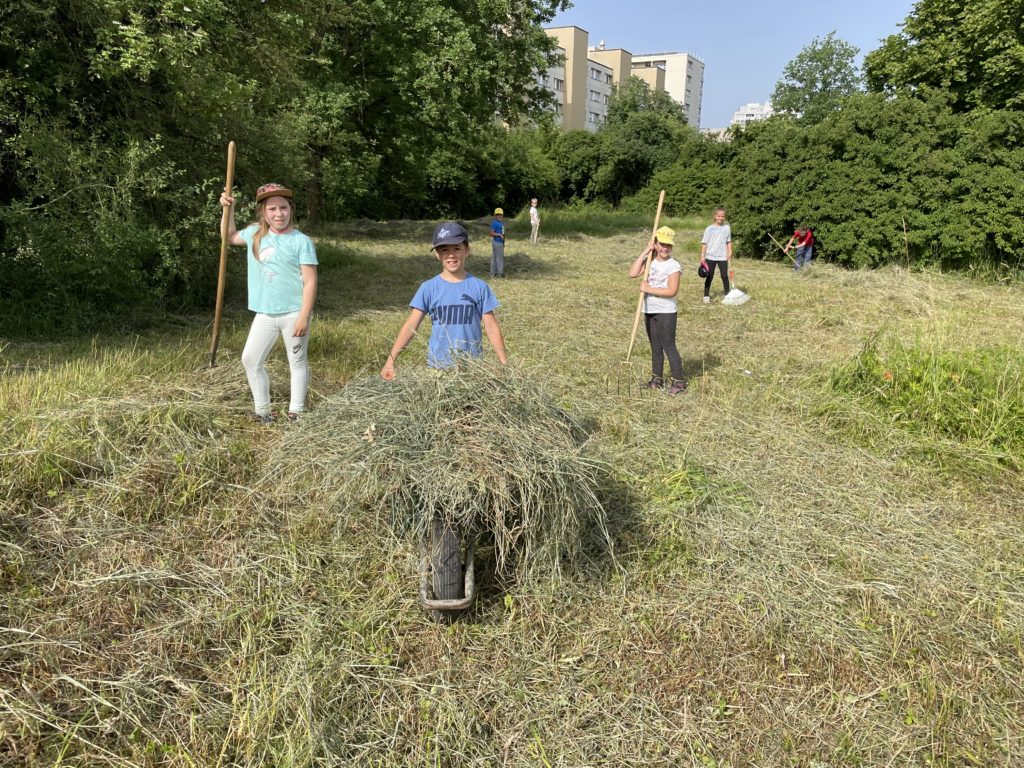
x: 781, y: 248
x: 647, y: 271
x: 222, y: 274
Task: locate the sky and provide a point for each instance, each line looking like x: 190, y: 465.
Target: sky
x: 745, y: 44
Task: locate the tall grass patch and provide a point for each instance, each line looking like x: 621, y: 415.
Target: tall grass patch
x: 972, y: 398
x: 594, y: 221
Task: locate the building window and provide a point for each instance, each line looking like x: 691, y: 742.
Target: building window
x: 595, y: 96
x: 592, y: 117
x: 559, y: 84
x: 608, y: 79
x: 558, y: 108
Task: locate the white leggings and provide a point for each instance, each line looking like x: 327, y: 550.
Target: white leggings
x: 262, y: 336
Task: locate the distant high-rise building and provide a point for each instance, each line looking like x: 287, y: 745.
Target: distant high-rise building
x: 750, y: 113
x: 684, y: 79
x: 588, y: 82
x: 583, y: 85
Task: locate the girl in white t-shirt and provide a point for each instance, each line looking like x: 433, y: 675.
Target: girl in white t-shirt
x: 661, y: 287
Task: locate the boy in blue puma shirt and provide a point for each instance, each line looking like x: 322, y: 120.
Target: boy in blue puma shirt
x: 458, y: 304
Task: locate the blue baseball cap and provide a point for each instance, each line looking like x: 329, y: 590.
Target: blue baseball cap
x: 450, y: 233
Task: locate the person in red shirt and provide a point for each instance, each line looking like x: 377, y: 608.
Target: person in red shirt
x: 803, y: 238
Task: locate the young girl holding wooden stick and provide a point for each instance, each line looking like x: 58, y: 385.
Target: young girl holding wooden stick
x: 660, y: 311
x: 282, y: 288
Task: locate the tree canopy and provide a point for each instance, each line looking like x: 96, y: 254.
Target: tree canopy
x: 972, y: 50
x: 815, y: 83
x: 116, y: 114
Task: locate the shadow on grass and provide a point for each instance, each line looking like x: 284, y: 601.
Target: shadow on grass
x: 520, y: 265
x: 694, y: 367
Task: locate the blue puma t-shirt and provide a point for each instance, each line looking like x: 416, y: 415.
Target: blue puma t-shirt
x: 456, y: 311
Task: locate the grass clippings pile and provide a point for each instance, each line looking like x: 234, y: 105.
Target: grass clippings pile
x: 487, y: 451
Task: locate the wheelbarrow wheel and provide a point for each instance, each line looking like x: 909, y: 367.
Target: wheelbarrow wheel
x: 447, y: 573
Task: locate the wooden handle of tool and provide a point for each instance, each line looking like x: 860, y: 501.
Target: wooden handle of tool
x: 781, y: 248
x: 647, y: 272
x: 222, y: 274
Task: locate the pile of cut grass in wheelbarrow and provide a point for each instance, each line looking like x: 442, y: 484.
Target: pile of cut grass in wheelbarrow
x: 488, y: 450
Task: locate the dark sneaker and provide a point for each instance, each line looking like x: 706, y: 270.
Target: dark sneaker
x: 262, y: 418
x: 677, y: 386
x: 293, y: 416
x: 654, y: 383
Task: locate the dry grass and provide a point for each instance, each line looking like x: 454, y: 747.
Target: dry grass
x: 487, y: 451
x: 799, y: 581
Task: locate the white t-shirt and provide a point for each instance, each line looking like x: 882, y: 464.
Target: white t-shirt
x: 658, y: 278
x: 534, y: 215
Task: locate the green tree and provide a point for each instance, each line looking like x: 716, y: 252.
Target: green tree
x: 395, y: 87
x: 818, y: 80
x: 642, y: 134
x: 634, y: 96
x: 972, y: 49
x: 697, y: 180
x: 115, y: 115
x: 577, y: 155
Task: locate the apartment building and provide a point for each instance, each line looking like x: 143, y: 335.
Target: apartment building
x: 589, y: 76
x: 752, y: 112
x: 588, y: 82
x: 554, y: 81
x: 684, y: 79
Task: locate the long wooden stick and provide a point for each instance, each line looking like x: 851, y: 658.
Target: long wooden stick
x: 647, y: 271
x: 906, y: 240
x: 224, y: 218
x: 782, y: 249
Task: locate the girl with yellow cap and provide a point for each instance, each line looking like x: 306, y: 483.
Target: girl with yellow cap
x: 660, y: 313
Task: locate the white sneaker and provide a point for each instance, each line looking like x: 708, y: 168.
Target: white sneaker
x: 707, y: 299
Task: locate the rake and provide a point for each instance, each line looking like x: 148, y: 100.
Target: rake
x: 647, y: 271
x: 222, y: 272
x: 791, y: 256
x: 624, y: 369
x: 735, y: 297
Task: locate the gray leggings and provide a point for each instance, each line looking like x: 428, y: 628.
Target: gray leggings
x: 661, y: 330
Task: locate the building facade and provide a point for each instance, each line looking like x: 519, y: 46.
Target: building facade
x: 589, y: 76
x: 684, y: 79
x: 752, y: 112
x: 554, y: 81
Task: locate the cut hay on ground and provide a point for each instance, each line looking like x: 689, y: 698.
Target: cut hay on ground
x: 487, y: 450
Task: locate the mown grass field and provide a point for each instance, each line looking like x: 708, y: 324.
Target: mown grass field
x: 819, y: 548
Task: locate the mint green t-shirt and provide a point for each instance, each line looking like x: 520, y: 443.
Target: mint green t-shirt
x: 275, y: 279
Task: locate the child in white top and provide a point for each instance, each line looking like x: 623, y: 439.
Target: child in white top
x: 660, y: 313
x: 716, y: 251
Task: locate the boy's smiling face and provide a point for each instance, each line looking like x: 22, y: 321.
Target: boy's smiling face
x: 453, y: 259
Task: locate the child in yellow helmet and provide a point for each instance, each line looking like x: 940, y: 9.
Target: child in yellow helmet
x: 660, y: 312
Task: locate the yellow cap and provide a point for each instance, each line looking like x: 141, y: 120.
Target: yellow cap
x: 666, y: 236
x: 498, y: 212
